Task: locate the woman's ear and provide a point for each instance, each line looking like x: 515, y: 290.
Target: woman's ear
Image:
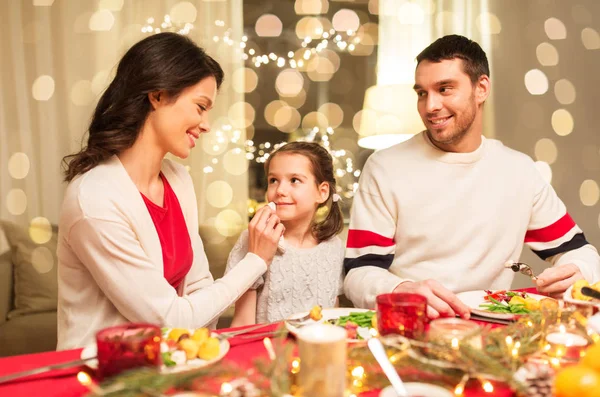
x: 156, y: 98
x: 323, y: 192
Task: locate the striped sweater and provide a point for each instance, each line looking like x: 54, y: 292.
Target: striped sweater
x: 422, y: 213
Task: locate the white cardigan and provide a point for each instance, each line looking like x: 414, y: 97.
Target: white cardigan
x: 110, y: 265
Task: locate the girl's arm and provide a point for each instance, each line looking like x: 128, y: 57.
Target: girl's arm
x: 245, y: 309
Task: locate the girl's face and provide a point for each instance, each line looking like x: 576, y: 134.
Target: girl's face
x: 178, y: 124
x: 292, y: 186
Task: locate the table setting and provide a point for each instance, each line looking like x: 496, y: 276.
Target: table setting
x: 517, y: 343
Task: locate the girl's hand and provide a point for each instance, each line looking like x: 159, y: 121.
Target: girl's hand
x: 264, y: 232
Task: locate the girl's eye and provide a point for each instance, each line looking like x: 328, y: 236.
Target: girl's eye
x: 294, y: 180
x: 272, y: 180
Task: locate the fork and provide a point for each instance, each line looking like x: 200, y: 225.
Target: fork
x: 296, y: 322
x: 520, y: 267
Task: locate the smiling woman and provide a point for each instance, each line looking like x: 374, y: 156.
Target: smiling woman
x: 128, y: 248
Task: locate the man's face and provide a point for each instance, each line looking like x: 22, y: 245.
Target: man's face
x: 447, y: 102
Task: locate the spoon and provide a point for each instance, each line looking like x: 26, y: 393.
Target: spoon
x: 378, y: 352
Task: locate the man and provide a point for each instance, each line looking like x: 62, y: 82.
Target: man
x: 442, y: 212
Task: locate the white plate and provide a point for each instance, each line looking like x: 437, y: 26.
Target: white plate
x: 475, y: 298
x: 418, y: 389
x: 568, y: 297
x: 91, y: 351
x: 328, y: 314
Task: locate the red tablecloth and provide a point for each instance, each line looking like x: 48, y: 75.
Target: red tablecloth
x: 63, y: 383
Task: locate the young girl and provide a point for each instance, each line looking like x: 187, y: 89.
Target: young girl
x: 307, y: 269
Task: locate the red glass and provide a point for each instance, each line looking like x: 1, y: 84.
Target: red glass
x: 402, y: 314
x: 128, y: 346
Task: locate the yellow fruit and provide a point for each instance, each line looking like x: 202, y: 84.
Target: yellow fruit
x: 576, y: 292
x: 176, y: 333
x: 374, y: 322
x: 577, y: 381
x: 517, y: 300
x: 209, y: 349
x: 201, y: 335
x: 532, y: 304
x: 190, y: 347
x: 315, y: 313
x: 592, y: 358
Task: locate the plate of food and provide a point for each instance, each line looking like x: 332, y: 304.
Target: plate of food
x: 501, y: 304
x: 181, y: 349
x: 573, y: 294
x: 357, y: 322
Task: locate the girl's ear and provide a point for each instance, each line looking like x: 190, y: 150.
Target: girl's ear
x: 323, y: 192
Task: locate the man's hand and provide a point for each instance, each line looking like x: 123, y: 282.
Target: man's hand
x: 554, y: 281
x: 440, y: 300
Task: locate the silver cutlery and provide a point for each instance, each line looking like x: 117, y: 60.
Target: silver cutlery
x: 380, y: 355
x: 520, y: 267
x: 592, y: 293
x: 45, y: 368
x: 231, y: 334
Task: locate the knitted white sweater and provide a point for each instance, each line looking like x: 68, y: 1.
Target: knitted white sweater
x: 296, y: 280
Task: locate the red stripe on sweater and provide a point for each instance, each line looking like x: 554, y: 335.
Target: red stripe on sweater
x: 552, y: 232
x: 365, y: 238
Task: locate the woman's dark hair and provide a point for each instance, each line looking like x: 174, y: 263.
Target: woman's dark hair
x: 322, y: 168
x: 454, y: 46
x: 166, y: 62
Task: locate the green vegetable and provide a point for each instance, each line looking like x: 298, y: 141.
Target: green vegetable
x: 166, y: 358
x: 362, y: 319
x: 495, y: 306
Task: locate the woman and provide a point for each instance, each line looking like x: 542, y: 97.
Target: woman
x: 129, y: 249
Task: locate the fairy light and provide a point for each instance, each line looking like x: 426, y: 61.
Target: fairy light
x: 296, y: 366
x: 86, y: 381
x: 226, y: 388
x: 460, y: 387
x: 487, y: 386
x: 269, y: 347
x: 358, y: 372
x: 454, y: 343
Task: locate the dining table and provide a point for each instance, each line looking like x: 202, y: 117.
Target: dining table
x: 243, y: 353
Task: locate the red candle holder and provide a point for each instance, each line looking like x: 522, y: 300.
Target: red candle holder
x: 128, y: 346
x: 402, y: 314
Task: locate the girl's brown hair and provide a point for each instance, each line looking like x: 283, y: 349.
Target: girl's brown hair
x: 166, y: 62
x: 322, y: 168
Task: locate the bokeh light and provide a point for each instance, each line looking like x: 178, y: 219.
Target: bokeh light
x: 112, y: 5
x: 289, y: 82
x: 590, y: 39
x: 411, y: 13
x: 229, y: 223
x: 546, y: 150
x: 589, y: 192
x: 18, y: 165
x: 562, y: 122
x: 16, y: 201
x: 40, y: 230
x: 564, y: 91
x: 241, y: 114
x: 183, y: 12
x: 547, y: 54
x: 219, y: 194
x: 345, y: 20
x: 43, y: 88
x: 555, y: 29
x: 245, y: 80
x: 311, y: 7
x: 536, y: 82
x: 82, y: 94
x: 333, y: 112
x: 42, y: 259
x: 268, y: 25
x: 235, y: 162
x: 488, y: 23
x: 101, y: 21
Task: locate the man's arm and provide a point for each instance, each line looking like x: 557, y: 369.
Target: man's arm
x: 370, y: 247
x: 555, y: 237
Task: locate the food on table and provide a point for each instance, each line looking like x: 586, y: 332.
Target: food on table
x: 578, y: 285
x: 582, y: 379
x: 512, y: 302
x: 181, y: 345
x: 357, y: 324
x: 316, y: 313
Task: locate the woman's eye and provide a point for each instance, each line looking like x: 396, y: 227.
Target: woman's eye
x: 202, y: 108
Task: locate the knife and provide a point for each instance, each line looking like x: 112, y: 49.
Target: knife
x: 45, y: 368
x: 592, y: 293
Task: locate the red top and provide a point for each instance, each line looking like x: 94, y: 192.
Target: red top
x: 173, y: 235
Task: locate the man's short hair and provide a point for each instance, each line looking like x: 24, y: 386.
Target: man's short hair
x: 455, y: 46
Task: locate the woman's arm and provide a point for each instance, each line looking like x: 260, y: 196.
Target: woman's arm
x: 245, y: 309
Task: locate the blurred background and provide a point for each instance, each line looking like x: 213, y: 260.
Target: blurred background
x: 334, y: 71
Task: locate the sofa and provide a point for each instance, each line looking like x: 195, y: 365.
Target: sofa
x: 28, y: 290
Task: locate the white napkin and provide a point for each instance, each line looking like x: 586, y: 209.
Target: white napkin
x: 280, y: 246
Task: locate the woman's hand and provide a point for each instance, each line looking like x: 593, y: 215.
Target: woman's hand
x: 264, y: 232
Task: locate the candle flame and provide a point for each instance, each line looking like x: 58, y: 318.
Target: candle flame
x: 84, y: 378
x: 454, y: 343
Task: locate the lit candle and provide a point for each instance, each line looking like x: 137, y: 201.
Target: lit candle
x: 453, y: 331
x: 565, y: 345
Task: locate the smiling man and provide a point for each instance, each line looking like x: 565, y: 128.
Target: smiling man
x: 442, y: 212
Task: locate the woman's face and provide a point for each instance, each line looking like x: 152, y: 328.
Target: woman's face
x: 178, y: 123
